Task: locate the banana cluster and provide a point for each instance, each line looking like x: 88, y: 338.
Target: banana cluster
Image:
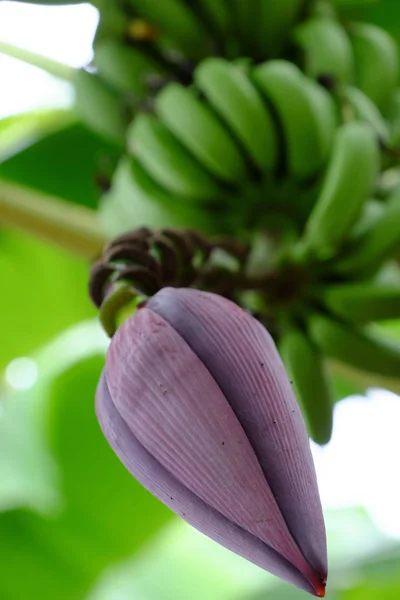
x: 141, y: 43
x: 230, y: 142
x: 247, y: 117
x: 346, y: 291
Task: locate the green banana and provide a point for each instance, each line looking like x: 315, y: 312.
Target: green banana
x: 376, y: 63
x: 394, y: 140
x: 327, y: 48
x: 354, y: 346
x: 376, y: 243
x: 306, y: 113
x: 311, y: 385
x: 99, y: 106
x: 135, y: 200
x: 321, y: 9
x: 232, y: 95
x: 200, y: 131
x: 365, y: 110
x: 347, y: 185
x: 246, y: 22
x: 177, y: 24
x: 276, y: 21
x: 363, y: 302
x: 394, y: 112
x: 127, y: 68
x: 353, y: 3
x: 217, y: 15
x: 112, y: 21
x: 371, y: 211
x: 167, y: 161
x: 394, y: 119
x: 326, y: 116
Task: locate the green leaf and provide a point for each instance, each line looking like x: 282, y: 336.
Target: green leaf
x: 67, y: 163
x: 186, y: 560
x: 105, y: 516
x: 44, y: 290
x: 356, y: 549
x: 367, y: 592
x: 23, y: 130
x: 28, y: 476
x: 96, y: 485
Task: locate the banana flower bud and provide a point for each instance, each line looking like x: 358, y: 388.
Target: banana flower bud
x: 196, y: 403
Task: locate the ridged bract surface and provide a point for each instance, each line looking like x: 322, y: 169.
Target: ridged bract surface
x: 196, y: 403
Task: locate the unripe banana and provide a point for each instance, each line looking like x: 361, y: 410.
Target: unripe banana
x: 217, y: 15
x: 322, y: 9
x: 365, y: 110
x: 177, y: 24
x: 167, y: 161
x: 127, y: 68
x: 99, y: 105
x: 356, y: 347
x: 377, y: 241
x: 394, y: 111
x: 327, y: 48
x: 352, y: 3
x: 276, y: 21
x: 311, y: 385
x: 306, y: 112
x: 376, y: 63
x: 238, y: 103
x: 363, y: 302
x: 200, y: 131
x: 112, y: 22
x: 326, y: 116
x: 246, y: 18
x: 348, y: 183
x: 394, y: 119
x: 371, y: 211
x: 135, y: 200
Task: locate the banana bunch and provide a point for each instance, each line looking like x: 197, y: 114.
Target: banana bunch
x: 263, y: 27
x: 354, y: 53
x: 357, y: 61
x: 243, y: 115
x: 233, y: 129
x: 239, y: 139
x: 344, y: 249
x: 232, y: 28
x: 140, y: 40
x: 141, y: 45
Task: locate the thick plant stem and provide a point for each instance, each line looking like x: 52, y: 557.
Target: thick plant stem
x: 53, y: 67
x: 70, y: 226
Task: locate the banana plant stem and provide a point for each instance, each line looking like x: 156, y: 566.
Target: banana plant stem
x: 75, y: 228
x: 52, y: 67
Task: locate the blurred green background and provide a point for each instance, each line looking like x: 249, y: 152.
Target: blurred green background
x: 73, y: 524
